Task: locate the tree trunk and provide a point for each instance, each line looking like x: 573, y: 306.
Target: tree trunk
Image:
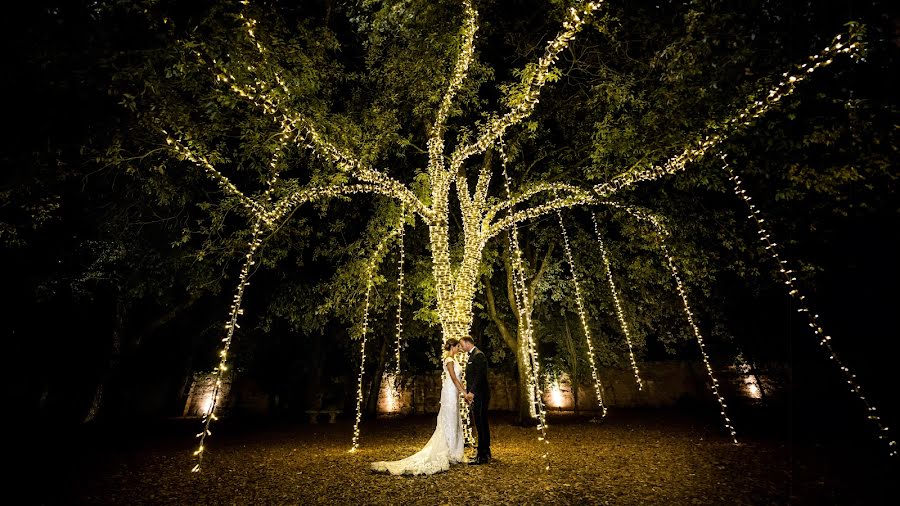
x: 371, y: 410
x: 574, y: 376
x: 523, y: 416
x: 115, y: 360
x: 516, y: 345
x: 118, y: 354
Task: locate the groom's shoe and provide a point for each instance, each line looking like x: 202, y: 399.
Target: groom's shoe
x: 475, y: 462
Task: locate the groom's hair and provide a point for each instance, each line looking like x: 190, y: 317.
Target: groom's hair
x: 468, y: 339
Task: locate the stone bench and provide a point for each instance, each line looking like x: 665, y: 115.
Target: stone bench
x: 314, y: 414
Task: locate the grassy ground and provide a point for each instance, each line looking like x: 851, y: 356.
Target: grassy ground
x: 634, y: 457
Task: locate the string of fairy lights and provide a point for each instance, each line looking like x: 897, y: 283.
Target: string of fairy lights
x: 263, y: 95
x: 468, y: 435
x: 582, y: 315
x: 662, y: 233
x: 180, y: 147
x: 463, y: 61
x: 527, y: 344
x: 790, y: 281
x: 372, y: 266
x: 401, y: 256
x: 846, y: 44
x: 849, y: 44
x: 620, y: 314
x: 230, y: 326
x: 494, y: 130
x: 523, y: 302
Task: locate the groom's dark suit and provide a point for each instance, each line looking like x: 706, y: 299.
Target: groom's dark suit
x: 477, y: 385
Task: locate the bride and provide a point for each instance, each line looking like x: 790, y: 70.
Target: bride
x: 446, y: 444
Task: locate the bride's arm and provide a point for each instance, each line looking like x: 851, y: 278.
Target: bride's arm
x: 452, y: 373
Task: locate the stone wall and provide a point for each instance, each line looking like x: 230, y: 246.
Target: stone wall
x: 242, y: 395
x: 200, y: 397
x: 666, y: 384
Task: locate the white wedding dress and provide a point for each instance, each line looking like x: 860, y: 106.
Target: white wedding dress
x: 446, y: 444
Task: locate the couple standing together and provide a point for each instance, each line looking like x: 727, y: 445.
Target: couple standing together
x: 446, y: 444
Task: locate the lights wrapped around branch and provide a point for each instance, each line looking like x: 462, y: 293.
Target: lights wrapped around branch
x: 494, y: 130
x: 461, y: 69
x: 790, y: 282
x: 534, y: 212
x: 265, y: 95
x: 843, y: 44
x: 534, y: 190
x: 620, y: 314
x: 662, y: 233
x: 227, y: 186
x: 582, y: 315
x: 849, y: 44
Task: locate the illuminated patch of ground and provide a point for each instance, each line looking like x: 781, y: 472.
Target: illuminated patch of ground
x: 646, y: 457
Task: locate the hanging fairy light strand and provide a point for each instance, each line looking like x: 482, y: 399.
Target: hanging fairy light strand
x: 400, y: 260
x: 230, y: 326
x: 374, y: 260
x: 582, y: 315
x: 468, y: 436
x: 620, y: 314
x: 527, y: 345
x: 790, y: 281
x: 522, y: 299
x: 662, y: 233
x: 714, y: 383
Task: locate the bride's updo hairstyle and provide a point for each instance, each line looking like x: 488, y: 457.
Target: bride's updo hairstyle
x: 449, y: 344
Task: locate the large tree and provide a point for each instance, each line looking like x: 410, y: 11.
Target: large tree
x: 390, y: 100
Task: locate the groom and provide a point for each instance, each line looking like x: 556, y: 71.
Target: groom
x: 478, y: 395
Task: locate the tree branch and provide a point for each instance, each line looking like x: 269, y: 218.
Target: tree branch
x: 463, y: 60
x: 533, y: 83
x: 265, y: 96
x: 742, y: 118
x: 583, y: 198
x: 510, y: 283
x: 531, y: 192
x: 505, y: 334
x: 303, y: 195
x: 484, y: 182
x: 536, y: 279
x: 224, y: 183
